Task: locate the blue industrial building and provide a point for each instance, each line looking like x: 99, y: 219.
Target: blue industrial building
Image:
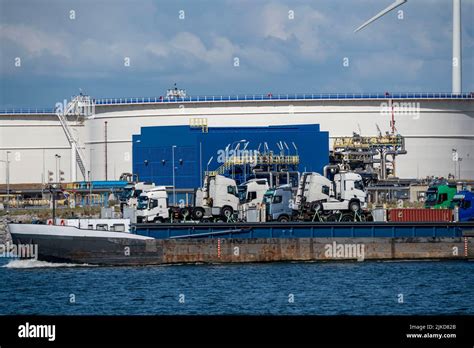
x: 196, y: 150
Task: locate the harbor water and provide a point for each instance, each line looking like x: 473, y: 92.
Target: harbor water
x: 312, y: 288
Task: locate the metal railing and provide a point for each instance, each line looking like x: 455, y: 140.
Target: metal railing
x: 38, y: 111
x: 253, y: 97
x: 72, y: 108
x: 257, y: 97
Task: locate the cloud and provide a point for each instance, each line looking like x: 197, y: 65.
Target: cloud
x: 158, y: 49
x: 275, y: 51
x: 219, y: 52
x: 34, y: 41
x: 301, y: 24
x: 378, y: 65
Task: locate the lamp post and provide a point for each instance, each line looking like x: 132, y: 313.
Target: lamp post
x: 455, y: 159
x: 200, y: 161
x: 90, y: 187
x: 246, y: 157
x: 58, y: 157
x: 52, y: 191
x: 89, y: 174
x: 7, y: 179
x: 174, y: 184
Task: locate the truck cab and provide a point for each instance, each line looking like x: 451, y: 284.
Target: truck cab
x: 279, y: 203
x: 218, y: 196
x: 152, y: 205
x: 439, y: 196
x: 129, y: 196
x: 316, y: 193
x: 252, y: 192
x: 313, y: 187
x: 464, y: 201
x: 349, y: 187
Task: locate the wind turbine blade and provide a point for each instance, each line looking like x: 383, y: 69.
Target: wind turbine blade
x: 381, y: 13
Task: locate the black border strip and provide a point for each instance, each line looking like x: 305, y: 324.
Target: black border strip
x: 261, y: 330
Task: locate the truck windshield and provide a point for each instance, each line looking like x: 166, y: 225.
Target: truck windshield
x: 242, y: 193
x: 126, y: 194
x: 232, y: 190
x: 325, y: 190
x: 142, y: 203
x: 431, y: 196
x: 267, y: 198
x: 456, y: 202
x: 359, y: 185
x: 461, y: 203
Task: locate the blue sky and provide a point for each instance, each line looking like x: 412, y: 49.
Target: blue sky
x: 276, y: 54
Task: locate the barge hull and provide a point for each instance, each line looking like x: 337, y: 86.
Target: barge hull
x: 116, y: 251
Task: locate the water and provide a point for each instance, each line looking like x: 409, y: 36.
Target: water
x: 35, y: 287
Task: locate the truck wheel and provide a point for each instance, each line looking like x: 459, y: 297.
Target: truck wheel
x: 331, y: 218
x: 184, y: 212
x: 369, y: 217
x: 227, y: 212
x: 354, y: 206
x: 198, y: 213
x: 158, y: 220
x: 283, y: 218
x: 316, y: 206
x: 347, y: 218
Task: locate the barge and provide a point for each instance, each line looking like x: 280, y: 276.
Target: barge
x: 155, y: 244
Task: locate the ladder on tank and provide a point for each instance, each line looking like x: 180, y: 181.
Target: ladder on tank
x: 80, y: 106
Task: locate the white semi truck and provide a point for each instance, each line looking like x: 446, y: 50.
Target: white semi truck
x: 279, y: 203
x: 251, y: 193
x: 319, y: 196
x: 217, y: 199
x: 152, y: 205
x: 131, y: 192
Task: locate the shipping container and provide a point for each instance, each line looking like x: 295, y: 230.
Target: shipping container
x: 420, y: 215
